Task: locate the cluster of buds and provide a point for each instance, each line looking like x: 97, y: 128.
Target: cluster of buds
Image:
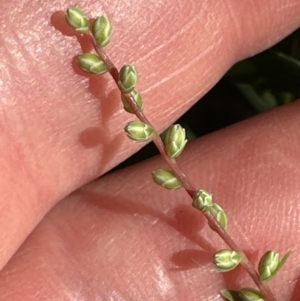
x: 269, y: 265
x: 174, y: 144
x: 138, y: 131
x: 203, y: 201
x: 101, y: 32
x: 93, y: 63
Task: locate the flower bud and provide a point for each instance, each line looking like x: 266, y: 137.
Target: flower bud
x: 137, y: 98
x: 139, y: 131
x: 102, y: 31
x: 77, y: 19
x: 226, y: 260
x: 231, y: 295
x: 92, y: 63
x: 218, y: 212
x: 127, y: 78
x: 268, y: 265
x: 166, y: 179
x: 175, y: 140
x: 251, y: 294
x: 202, y: 200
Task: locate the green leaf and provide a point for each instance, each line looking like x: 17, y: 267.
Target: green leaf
x: 268, y: 79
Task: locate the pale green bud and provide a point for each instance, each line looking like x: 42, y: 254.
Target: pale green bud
x: 226, y: 260
x: 251, y: 294
x: 92, y: 63
x: 137, y: 98
x: 231, y: 295
x: 127, y: 78
x: 139, y: 131
x: 77, y: 19
x: 166, y: 179
x: 202, y: 200
x: 218, y: 212
x: 270, y: 264
x: 175, y: 140
x: 102, y: 31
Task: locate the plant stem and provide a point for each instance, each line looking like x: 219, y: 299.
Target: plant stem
x: 186, y: 184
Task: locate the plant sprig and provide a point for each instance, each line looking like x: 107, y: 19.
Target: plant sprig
x: 172, y: 147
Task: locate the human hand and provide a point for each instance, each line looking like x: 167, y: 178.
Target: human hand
x: 122, y: 237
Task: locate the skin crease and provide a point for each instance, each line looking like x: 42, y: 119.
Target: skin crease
x: 121, y: 237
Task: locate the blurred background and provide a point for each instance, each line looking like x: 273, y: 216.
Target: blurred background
x: 252, y: 86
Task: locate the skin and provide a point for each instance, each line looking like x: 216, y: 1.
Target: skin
x: 121, y: 237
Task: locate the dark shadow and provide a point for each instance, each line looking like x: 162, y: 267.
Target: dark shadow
x: 90, y: 137
x: 95, y: 136
x: 232, y: 279
x: 58, y: 21
x: 186, y: 220
x: 102, y: 136
x: 190, y: 259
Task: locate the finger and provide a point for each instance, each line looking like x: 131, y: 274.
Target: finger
x: 124, y: 238
x: 60, y: 130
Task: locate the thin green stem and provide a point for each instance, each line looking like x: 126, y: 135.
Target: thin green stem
x: 186, y: 184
